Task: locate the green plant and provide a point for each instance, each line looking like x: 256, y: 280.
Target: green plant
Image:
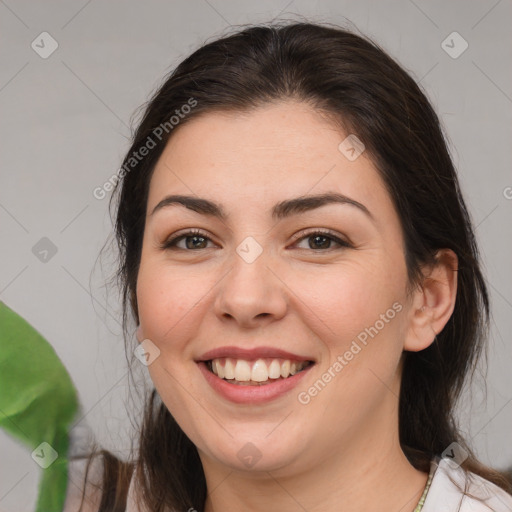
x: 38, y: 402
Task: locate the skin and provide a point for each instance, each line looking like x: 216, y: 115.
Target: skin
x: 341, y: 450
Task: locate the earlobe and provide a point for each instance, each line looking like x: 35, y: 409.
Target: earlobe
x: 433, y: 302
x: 138, y: 333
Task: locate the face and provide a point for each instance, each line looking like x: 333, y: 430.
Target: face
x: 271, y: 286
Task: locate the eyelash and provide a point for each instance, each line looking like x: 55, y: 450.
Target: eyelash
x: 170, y: 244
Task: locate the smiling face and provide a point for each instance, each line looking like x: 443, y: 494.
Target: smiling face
x: 263, y: 276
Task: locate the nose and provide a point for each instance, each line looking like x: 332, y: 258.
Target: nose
x: 251, y: 294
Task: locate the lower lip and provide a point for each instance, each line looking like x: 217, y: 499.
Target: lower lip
x: 241, y: 394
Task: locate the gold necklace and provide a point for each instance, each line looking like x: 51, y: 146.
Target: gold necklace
x: 419, y: 506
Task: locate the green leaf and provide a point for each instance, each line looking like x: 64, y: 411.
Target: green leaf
x: 38, y: 402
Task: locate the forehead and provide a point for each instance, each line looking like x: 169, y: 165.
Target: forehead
x: 279, y: 150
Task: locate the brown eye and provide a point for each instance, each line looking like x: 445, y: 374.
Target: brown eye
x: 322, y: 240
x: 194, y: 240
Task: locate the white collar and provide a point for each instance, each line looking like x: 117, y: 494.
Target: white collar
x: 443, y: 495
x: 446, y: 495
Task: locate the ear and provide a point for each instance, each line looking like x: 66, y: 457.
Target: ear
x: 433, y: 302
x: 138, y: 333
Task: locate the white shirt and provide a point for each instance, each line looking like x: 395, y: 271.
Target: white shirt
x: 443, y: 495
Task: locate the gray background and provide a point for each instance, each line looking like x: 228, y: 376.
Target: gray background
x: 65, y: 128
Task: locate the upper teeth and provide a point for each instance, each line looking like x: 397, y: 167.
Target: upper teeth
x: 258, y: 371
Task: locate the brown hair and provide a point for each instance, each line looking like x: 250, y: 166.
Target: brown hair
x: 353, y: 81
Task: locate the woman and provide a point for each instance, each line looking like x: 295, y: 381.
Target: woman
x: 306, y: 286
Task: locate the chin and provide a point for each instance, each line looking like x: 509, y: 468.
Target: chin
x: 256, y: 453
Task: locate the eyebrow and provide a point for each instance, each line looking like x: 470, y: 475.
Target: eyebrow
x: 281, y: 210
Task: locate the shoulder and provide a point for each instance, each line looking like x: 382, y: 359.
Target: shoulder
x: 78, y: 488
x: 95, y: 474
x: 81, y: 446
x: 452, y: 489
x: 133, y: 500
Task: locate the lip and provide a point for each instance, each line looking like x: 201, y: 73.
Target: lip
x: 251, y: 354
x: 241, y: 394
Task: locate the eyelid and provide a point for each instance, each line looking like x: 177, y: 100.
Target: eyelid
x: 166, y: 244
x: 341, y: 240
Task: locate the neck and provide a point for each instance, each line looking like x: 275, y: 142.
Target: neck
x: 369, y: 471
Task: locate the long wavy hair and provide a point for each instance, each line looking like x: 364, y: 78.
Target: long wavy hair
x: 352, y: 80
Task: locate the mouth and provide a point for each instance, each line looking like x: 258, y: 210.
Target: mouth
x: 253, y: 376
x: 260, y: 372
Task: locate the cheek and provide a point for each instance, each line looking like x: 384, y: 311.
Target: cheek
x: 165, y: 301
x: 362, y: 315
x: 352, y: 297
x: 362, y: 309
x: 169, y: 311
